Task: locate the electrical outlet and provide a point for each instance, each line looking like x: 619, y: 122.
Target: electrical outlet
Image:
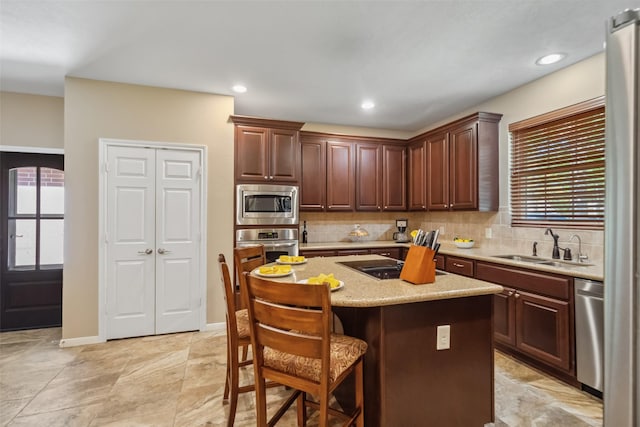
x: 442, y: 229
x: 443, y: 339
x: 488, y: 232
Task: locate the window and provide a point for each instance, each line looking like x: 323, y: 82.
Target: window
x: 35, y: 218
x: 557, y: 168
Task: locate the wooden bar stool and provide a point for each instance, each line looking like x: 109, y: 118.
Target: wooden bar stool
x: 293, y: 345
x: 238, y: 335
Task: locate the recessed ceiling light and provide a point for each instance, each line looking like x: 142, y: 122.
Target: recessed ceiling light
x: 367, y: 105
x: 550, y: 59
x: 239, y: 89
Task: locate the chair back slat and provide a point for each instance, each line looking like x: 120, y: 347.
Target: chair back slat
x: 290, y: 341
x: 284, y: 293
x: 303, y: 320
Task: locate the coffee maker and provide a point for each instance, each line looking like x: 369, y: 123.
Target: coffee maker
x: 401, y: 235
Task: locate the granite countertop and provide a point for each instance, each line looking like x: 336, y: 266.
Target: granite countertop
x: 592, y: 272
x: 361, y: 290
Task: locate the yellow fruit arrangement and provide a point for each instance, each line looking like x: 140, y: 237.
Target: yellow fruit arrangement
x: 458, y: 239
x: 324, y: 278
x: 290, y: 258
x: 275, y: 269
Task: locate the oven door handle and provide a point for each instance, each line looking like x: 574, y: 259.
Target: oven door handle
x: 279, y: 245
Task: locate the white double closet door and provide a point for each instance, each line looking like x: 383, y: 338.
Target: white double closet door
x: 153, y: 236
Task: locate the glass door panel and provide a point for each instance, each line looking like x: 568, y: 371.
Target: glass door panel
x: 22, y: 244
x: 51, y: 243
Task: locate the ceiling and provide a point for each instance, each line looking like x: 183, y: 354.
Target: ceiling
x: 310, y: 61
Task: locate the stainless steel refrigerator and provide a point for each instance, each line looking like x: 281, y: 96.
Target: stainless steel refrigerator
x: 622, y: 213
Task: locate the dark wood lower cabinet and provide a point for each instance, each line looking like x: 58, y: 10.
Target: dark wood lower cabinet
x: 504, y: 317
x: 533, y: 317
x: 543, y: 328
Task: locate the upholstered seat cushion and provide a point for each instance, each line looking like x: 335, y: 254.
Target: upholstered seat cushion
x: 242, y: 320
x: 344, y: 352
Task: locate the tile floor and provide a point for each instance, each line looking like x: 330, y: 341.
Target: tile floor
x: 178, y: 380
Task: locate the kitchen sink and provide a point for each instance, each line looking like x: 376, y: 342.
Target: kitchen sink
x: 543, y: 261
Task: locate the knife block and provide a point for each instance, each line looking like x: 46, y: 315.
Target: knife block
x: 419, y: 266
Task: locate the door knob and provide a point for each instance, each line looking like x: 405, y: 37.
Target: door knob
x: 162, y: 251
x: 146, y: 252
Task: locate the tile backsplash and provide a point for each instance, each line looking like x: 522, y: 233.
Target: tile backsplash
x: 335, y: 227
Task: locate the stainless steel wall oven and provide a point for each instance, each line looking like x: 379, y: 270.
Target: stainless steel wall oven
x: 276, y: 241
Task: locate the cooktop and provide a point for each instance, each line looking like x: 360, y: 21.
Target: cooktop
x: 379, y: 268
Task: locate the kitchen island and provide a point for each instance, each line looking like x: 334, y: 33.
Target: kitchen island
x: 407, y: 381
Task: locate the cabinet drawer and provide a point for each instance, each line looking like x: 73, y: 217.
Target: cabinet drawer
x: 540, y: 283
x: 318, y: 253
x: 460, y: 266
x: 440, y: 264
x: 343, y: 252
x: 388, y: 252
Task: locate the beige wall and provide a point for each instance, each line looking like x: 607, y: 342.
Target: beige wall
x: 95, y: 109
x: 31, y: 120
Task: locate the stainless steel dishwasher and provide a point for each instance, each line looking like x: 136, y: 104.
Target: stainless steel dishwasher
x: 589, y: 332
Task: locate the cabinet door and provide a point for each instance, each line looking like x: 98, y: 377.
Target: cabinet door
x: 504, y: 317
x: 463, y: 163
x: 418, y: 177
x: 251, y: 154
x: 368, y: 174
x: 543, y: 328
x: 394, y: 178
x: 340, y: 176
x: 437, y: 172
x: 283, y: 155
x: 313, y: 183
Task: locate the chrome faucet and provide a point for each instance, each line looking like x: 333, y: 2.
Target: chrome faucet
x: 535, y: 249
x: 556, y: 248
x: 581, y: 257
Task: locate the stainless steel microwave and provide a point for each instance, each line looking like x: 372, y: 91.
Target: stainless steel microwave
x: 259, y: 204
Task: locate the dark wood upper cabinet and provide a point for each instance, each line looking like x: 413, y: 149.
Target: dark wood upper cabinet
x: 437, y: 171
x: 349, y: 173
x: 461, y: 165
x: 340, y: 176
x: 266, y: 150
x: 417, y: 176
x: 394, y: 178
x: 313, y: 182
x: 368, y: 177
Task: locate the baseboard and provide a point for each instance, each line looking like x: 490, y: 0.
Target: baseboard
x: 215, y: 327
x: 74, y: 342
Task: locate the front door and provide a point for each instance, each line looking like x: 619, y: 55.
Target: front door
x: 153, y: 241
x: 31, y: 240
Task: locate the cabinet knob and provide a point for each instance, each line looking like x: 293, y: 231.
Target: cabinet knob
x: 271, y: 177
x: 510, y: 293
x: 423, y: 206
x: 517, y: 295
x: 445, y: 206
x: 266, y: 177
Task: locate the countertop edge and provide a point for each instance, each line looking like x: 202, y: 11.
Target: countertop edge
x: 594, y: 272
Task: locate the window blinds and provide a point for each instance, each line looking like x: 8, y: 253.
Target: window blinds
x: 557, y: 168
